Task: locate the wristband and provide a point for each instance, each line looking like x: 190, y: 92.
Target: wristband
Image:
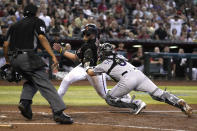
x: 60, y: 50
x: 87, y: 68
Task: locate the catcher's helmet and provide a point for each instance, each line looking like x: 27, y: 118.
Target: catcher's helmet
x: 30, y: 10
x: 105, y: 50
x: 89, y: 29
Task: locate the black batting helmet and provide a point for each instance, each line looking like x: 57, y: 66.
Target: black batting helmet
x: 89, y: 29
x: 30, y: 10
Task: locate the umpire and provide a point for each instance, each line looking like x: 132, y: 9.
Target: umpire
x: 20, y: 50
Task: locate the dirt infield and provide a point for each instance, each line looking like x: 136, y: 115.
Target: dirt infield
x: 101, y: 118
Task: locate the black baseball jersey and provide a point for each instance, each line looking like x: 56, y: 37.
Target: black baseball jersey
x: 89, y: 45
x: 23, y: 34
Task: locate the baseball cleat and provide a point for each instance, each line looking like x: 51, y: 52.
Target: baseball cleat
x: 140, y: 108
x: 185, y: 107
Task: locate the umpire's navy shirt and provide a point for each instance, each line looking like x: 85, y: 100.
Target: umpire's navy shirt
x: 24, y: 34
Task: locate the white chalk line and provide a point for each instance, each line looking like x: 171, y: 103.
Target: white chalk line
x: 97, y: 124
x: 99, y: 112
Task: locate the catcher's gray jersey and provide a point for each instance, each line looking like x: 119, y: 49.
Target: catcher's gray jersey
x: 118, y: 71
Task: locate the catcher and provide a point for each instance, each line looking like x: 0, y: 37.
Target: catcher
x: 130, y: 78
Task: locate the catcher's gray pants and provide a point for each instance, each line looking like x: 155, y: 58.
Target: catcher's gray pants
x: 37, y: 80
x: 134, y: 80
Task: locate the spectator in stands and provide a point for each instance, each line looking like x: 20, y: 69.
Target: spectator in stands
x: 61, y: 11
x: 114, y: 30
x: 55, y: 29
x: 176, y: 23
x: 87, y: 9
x: 110, y: 18
x: 138, y: 11
x: 136, y: 22
x: 2, y: 39
x: 76, y: 9
x: 19, y: 13
x: 137, y: 59
x: 121, y: 50
x: 79, y: 22
x: 194, y: 65
x: 102, y: 7
x: 167, y: 62
x: 123, y: 32
x: 179, y: 66
x: 71, y: 29
x: 95, y: 13
x: 157, y: 62
x: 183, y: 36
x: 174, y: 36
x: 150, y: 27
x: 47, y: 19
x: 64, y: 30
x: 160, y: 33
x: 119, y: 12
x: 143, y: 33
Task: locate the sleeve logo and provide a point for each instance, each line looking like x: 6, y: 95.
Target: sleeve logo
x: 42, y: 29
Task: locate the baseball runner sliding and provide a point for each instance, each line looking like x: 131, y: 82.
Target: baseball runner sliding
x: 87, y: 55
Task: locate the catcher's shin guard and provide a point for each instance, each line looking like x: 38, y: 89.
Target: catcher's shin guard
x: 165, y: 96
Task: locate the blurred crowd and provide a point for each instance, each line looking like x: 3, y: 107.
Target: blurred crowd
x: 126, y: 19
x: 174, y: 20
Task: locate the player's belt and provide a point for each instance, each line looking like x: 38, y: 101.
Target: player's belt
x: 125, y: 72
x: 10, y: 53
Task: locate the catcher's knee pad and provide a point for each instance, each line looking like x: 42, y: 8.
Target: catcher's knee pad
x: 119, y: 102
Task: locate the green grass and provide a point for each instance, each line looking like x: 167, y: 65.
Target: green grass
x: 86, y: 95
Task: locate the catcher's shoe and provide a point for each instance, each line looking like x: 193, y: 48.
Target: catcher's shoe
x: 62, y: 118
x: 185, y: 107
x: 140, y: 108
x: 26, y: 110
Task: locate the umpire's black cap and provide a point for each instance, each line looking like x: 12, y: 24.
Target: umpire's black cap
x: 30, y: 10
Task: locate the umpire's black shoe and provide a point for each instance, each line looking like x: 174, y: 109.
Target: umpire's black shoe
x: 25, y: 108
x: 62, y: 118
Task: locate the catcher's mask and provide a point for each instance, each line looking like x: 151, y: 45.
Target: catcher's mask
x: 89, y: 29
x: 105, y: 50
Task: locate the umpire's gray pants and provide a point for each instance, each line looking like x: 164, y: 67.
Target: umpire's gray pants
x: 37, y: 80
